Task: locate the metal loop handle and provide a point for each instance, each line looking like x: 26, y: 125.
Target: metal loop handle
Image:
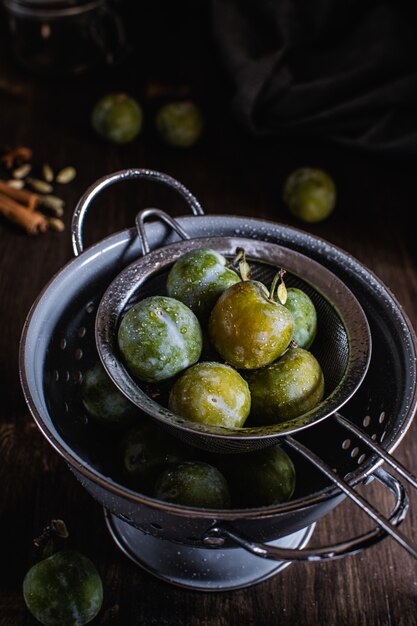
x: 96, y: 188
x: 336, y: 551
x: 164, y: 217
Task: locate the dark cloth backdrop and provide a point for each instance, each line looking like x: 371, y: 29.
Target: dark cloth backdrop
x: 341, y: 69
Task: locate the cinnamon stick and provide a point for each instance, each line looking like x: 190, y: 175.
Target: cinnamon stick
x: 29, y: 198
x: 31, y: 221
x: 16, y: 156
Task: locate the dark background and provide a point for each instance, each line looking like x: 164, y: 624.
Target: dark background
x: 233, y: 172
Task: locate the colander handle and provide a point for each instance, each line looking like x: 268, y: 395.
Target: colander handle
x: 220, y: 533
x: 130, y: 174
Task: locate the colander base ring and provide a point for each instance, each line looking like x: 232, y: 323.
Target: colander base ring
x: 200, y: 569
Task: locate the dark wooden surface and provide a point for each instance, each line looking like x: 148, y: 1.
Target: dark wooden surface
x: 230, y: 173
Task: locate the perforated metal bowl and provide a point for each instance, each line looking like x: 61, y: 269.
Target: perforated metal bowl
x: 58, y: 345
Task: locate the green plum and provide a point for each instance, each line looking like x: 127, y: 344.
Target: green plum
x: 103, y: 401
x: 63, y: 590
x: 180, y: 123
x: 261, y: 478
x: 146, y: 451
x: 193, y: 484
x: 213, y: 394
x: 310, y: 194
x: 304, y: 315
x: 287, y: 388
x: 247, y: 328
x: 158, y: 338
x: 117, y: 117
x: 198, y: 278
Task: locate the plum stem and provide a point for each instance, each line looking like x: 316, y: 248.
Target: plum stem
x: 282, y: 290
x: 50, y: 537
x: 241, y: 262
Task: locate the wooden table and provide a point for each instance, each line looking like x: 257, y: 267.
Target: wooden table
x: 231, y: 173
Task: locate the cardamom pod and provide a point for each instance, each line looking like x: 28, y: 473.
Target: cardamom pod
x: 47, y: 173
x: 40, y: 185
x: 16, y: 183
x: 52, y: 202
x: 66, y: 175
x: 56, y: 224
x: 22, y: 171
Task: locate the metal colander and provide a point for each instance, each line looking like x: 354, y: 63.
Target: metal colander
x: 58, y: 345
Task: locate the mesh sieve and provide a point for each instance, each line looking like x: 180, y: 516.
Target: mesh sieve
x: 342, y: 345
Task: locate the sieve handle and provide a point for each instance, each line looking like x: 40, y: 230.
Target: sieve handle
x: 388, y: 458
x: 164, y: 217
x: 219, y: 533
x: 130, y: 174
x: 361, y: 502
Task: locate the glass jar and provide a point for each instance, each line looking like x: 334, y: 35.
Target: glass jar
x: 61, y: 37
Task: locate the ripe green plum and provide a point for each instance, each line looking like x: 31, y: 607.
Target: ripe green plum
x: 103, y: 401
x: 63, y: 590
x: 198, y: 278
x: 247, y: 328
x: 145, y: 452
x: 287, y: 388
x: 193, y: 484
x: 180, y: 124
x: 213, y: 394
x: 158, y: 338
x: 261, y: 478
x: 310, y: 194
x: 304, y: 315
x: 117, y: 117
